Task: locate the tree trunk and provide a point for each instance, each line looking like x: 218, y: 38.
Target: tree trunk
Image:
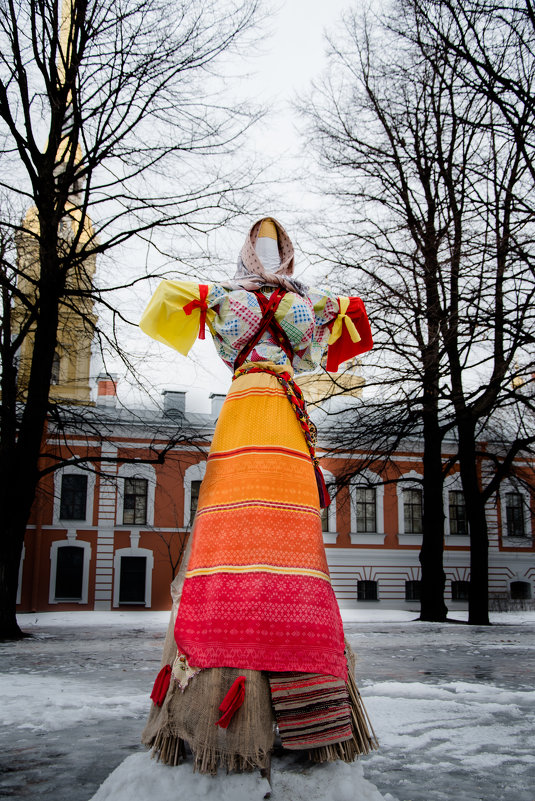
x: 10, y: 552
x: 433, y: 607
x: 478, y: 603
x: 19, y: 473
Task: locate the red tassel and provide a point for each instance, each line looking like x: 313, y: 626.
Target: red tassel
x: 325, y: 498
x: 232, y: 702
x: 161, y: 685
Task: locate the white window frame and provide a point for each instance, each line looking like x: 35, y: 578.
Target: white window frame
x: 367, y: 479
x: 147, y: 472
x: 75, y: 470
x: 149, y: 565
x: 527, y: 540
x: 195, y: 472
x: 408, y: 481
x: 19, y: 585
x: 54, y: 548
x: 329, y: 536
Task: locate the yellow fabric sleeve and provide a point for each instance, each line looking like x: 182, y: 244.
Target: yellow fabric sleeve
x: 165, y: 320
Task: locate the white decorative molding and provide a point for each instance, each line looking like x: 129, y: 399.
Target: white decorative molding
x: 145, y: 471
x: 366, y: 538
x: 393, y: 566
x: 458, y: 540
x: 149, y: 564
x: 195, y: 472
x: 329, y: 537
x: 107, y: 510
x: 54, y: 548
x: 74, y: 470
x: 410, y: 539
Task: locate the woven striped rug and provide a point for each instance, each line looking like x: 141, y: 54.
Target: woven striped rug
x: 311, y: 710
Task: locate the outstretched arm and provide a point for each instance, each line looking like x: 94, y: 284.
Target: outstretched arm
x: 350, y: 333
x: 176, y: 314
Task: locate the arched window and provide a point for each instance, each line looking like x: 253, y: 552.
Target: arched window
x: 74, y: 490
x: 21, y: 567
x: 515, y: 513
x: 410, y: 510
x: 328, y: 515
x: 367, y: 506
x: 73, y: 500
x: 133, y: 576
x: 136, y: 490
x: 54, y: 376
x: 195, y: 488
x: 69, y: 571
x: 457, y: 517
x: 193, y: 477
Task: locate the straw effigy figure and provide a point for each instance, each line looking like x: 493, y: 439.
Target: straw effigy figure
x: 255, y: 643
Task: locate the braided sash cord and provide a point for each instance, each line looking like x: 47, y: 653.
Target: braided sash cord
x: 297, y: 400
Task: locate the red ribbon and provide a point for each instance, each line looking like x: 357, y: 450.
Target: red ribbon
x: 199, y: 304
x: 161, y: 685
x: 231, y: 702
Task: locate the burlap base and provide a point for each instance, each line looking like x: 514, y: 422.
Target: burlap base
x: 190, y: 716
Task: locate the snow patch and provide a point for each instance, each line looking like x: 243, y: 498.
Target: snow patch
x: 143, y: 779
x: 62, y: 702
x: 488, y: 725
x: 149, y: 619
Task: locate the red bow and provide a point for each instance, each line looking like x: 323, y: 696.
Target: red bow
x: 199, y: 304
x: 231, y: 702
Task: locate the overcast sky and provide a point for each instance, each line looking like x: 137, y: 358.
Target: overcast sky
x: 287, y: 59
x: 293, y: 55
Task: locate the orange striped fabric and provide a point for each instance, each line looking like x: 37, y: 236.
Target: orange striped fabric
x: 257, y: 592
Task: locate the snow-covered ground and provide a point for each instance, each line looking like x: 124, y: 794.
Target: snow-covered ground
x: 453, y: 707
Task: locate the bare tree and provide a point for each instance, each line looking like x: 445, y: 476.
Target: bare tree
x: 493, y: 45
x: 110, y: 127
x: 423, y: 184
x: 490, y: 46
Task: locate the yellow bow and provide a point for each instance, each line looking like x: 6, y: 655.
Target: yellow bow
x: 342, y: 318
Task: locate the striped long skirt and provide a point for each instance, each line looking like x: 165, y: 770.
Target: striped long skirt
x: 257, y: 592
x: 257, y: 601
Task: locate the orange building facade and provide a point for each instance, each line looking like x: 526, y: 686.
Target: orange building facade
x: 111, y: 537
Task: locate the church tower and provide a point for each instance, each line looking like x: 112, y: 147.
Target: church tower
x: 71, y: 370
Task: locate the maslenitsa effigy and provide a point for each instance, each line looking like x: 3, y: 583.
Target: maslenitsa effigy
x: 255, y: 644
